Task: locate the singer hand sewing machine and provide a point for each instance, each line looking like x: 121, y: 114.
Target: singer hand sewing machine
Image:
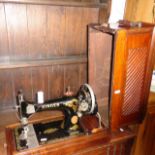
x: 76, y: 109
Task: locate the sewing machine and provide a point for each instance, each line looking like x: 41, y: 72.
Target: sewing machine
x: 76, y: 109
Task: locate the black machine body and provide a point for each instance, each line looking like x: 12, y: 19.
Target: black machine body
x: 73, y: 107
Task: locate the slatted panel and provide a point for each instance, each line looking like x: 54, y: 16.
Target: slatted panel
x: 135, y: 79
x: 114, y: 149
x: 4, y: 52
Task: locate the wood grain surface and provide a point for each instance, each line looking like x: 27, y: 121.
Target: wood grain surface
x: 129, y: 78
x: 39, y: 37
x: 139, y: 10
x: 102, y: 142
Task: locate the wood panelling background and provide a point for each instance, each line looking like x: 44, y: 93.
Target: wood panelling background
x: 42, y: 31
x: 53, y: 80
x: 35, y: 32
x: 140, y: 10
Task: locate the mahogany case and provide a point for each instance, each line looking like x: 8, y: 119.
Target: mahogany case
x: 120, y: 64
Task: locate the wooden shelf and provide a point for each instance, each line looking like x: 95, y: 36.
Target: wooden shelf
x: 63, y: 60
x: 58, y: 2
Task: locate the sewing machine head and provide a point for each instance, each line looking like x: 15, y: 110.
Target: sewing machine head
x: 75, y: 108
x: 81, y: 104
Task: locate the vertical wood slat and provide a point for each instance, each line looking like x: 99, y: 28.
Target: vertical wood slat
x: 17, y: 31
x: 6, y: 90
x: 73, y: 31
x: 40, y: 81
x: 4, y: 52
x: 75, y: 34
x: 82, y: 74
x: 90, y: 15
x: 123, y: 148
x: 22, y: 81
x: 55, y: 30
x: 37, y: 28
x: 56, y: 81
x: 71, y: 75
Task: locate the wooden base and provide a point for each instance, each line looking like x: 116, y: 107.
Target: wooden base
x: 102, y: 142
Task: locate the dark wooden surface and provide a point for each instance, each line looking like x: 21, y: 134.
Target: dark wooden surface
x: 10, y: 119
x: 43, y: 31
x: 99, y: 66
x: 43, y: 46
x: 148, y: 135
x: 130, y: 73
x: 102, y: 142
x: 138, y: 148
x: 53, y: 80
x: 133, y: 67
x: 99, y: 59
x: 145, y: 141
x: 96, y: 143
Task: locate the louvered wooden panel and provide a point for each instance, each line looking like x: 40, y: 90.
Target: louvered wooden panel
x: 136, y: 63
x: 132, y: 62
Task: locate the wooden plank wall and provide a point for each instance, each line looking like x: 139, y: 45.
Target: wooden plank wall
x: 140, y: 10
x: 32, y: 32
